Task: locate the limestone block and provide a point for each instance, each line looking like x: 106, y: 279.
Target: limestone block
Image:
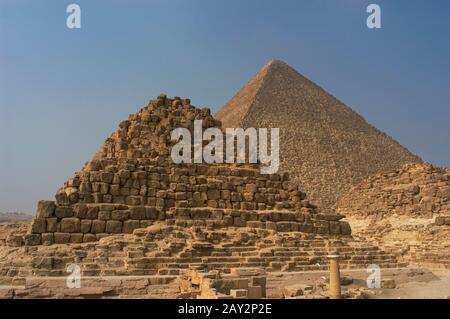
x: 63, y: 211
x: 388, y: 283
x: 200, y: 214
x: 98, y: 198
x: 239, y: 222
x: 213, y: 203
x: 133, y: 200
x: 113, y: 227
x: 258, y: 281
x: 213, y: 194
x: 151, y: 213
x: 76, y: 238
x: 52, y: 225
x: 130, y: 225
x: 39, y: 226
x: 120, y: 215
x: 15, y: 240
x: 295, y: 290
x: 61, y: 238
x: 322, y: 230
x: 226, y: 194
x: 238, y: 293
x: 70, y: 225
x: 251, y: 188
x: 80, y: 210
x: 255, y: 292
x: 248, y: 196
x: 240, y: 283
x: 45, y: 209
x: 101, y: 235
x: 306, y: 228
x: 32, y: 239
x: 106, y: 177
x: 104, y: 215
x: 255, y: 224
x: 92, y: 213
x: 216, y: 214
x: 138, y: 212
x: 271, y: 225
x: 47, y: 238
x: 299, y: 217
x: 87, y: 238
x: 284, y: 226
x: 114, y: 190
x: 335, y: 228
x: 98, y: 226
x: 85, y: 188
x: 85, y: 226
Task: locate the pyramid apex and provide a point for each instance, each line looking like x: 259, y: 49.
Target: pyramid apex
x: 275, y: 61
x: 323, y: 142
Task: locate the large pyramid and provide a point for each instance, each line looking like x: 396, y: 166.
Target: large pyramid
x: 324, y: 145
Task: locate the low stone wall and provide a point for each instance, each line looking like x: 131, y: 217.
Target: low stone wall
x: 82, y: 223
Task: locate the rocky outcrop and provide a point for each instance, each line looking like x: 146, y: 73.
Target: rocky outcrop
x: 416, y: 190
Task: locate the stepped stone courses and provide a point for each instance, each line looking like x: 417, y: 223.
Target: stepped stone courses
x: 324, y: 145
x: 131, y: 182
x: 155, y: 261
x: 416, y: 190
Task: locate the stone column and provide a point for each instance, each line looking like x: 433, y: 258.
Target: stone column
x: 335, y: 279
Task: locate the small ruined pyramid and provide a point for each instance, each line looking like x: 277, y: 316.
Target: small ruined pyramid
x: 132, y: 182
x: 324, y: 145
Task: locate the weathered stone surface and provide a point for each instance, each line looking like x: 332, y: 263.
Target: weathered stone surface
x: 295, y: 290
x: 48, y: 238
x: 130, y: 225
x: 113, y: 227
x: 61, y: 238
x: 388, y: 283
x: 98, y: 226
x: 32, y: 239
x: 63, y: 211
x: 39, y: 226
x: 70, y: 225
x: 45, y: 209
x: 416, y: 190
x: 85, y: 226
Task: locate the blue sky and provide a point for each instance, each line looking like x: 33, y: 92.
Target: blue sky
x: 62, y: 92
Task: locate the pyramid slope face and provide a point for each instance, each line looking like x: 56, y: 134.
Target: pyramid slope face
x: 324, y: 145
x: 132, y: 182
